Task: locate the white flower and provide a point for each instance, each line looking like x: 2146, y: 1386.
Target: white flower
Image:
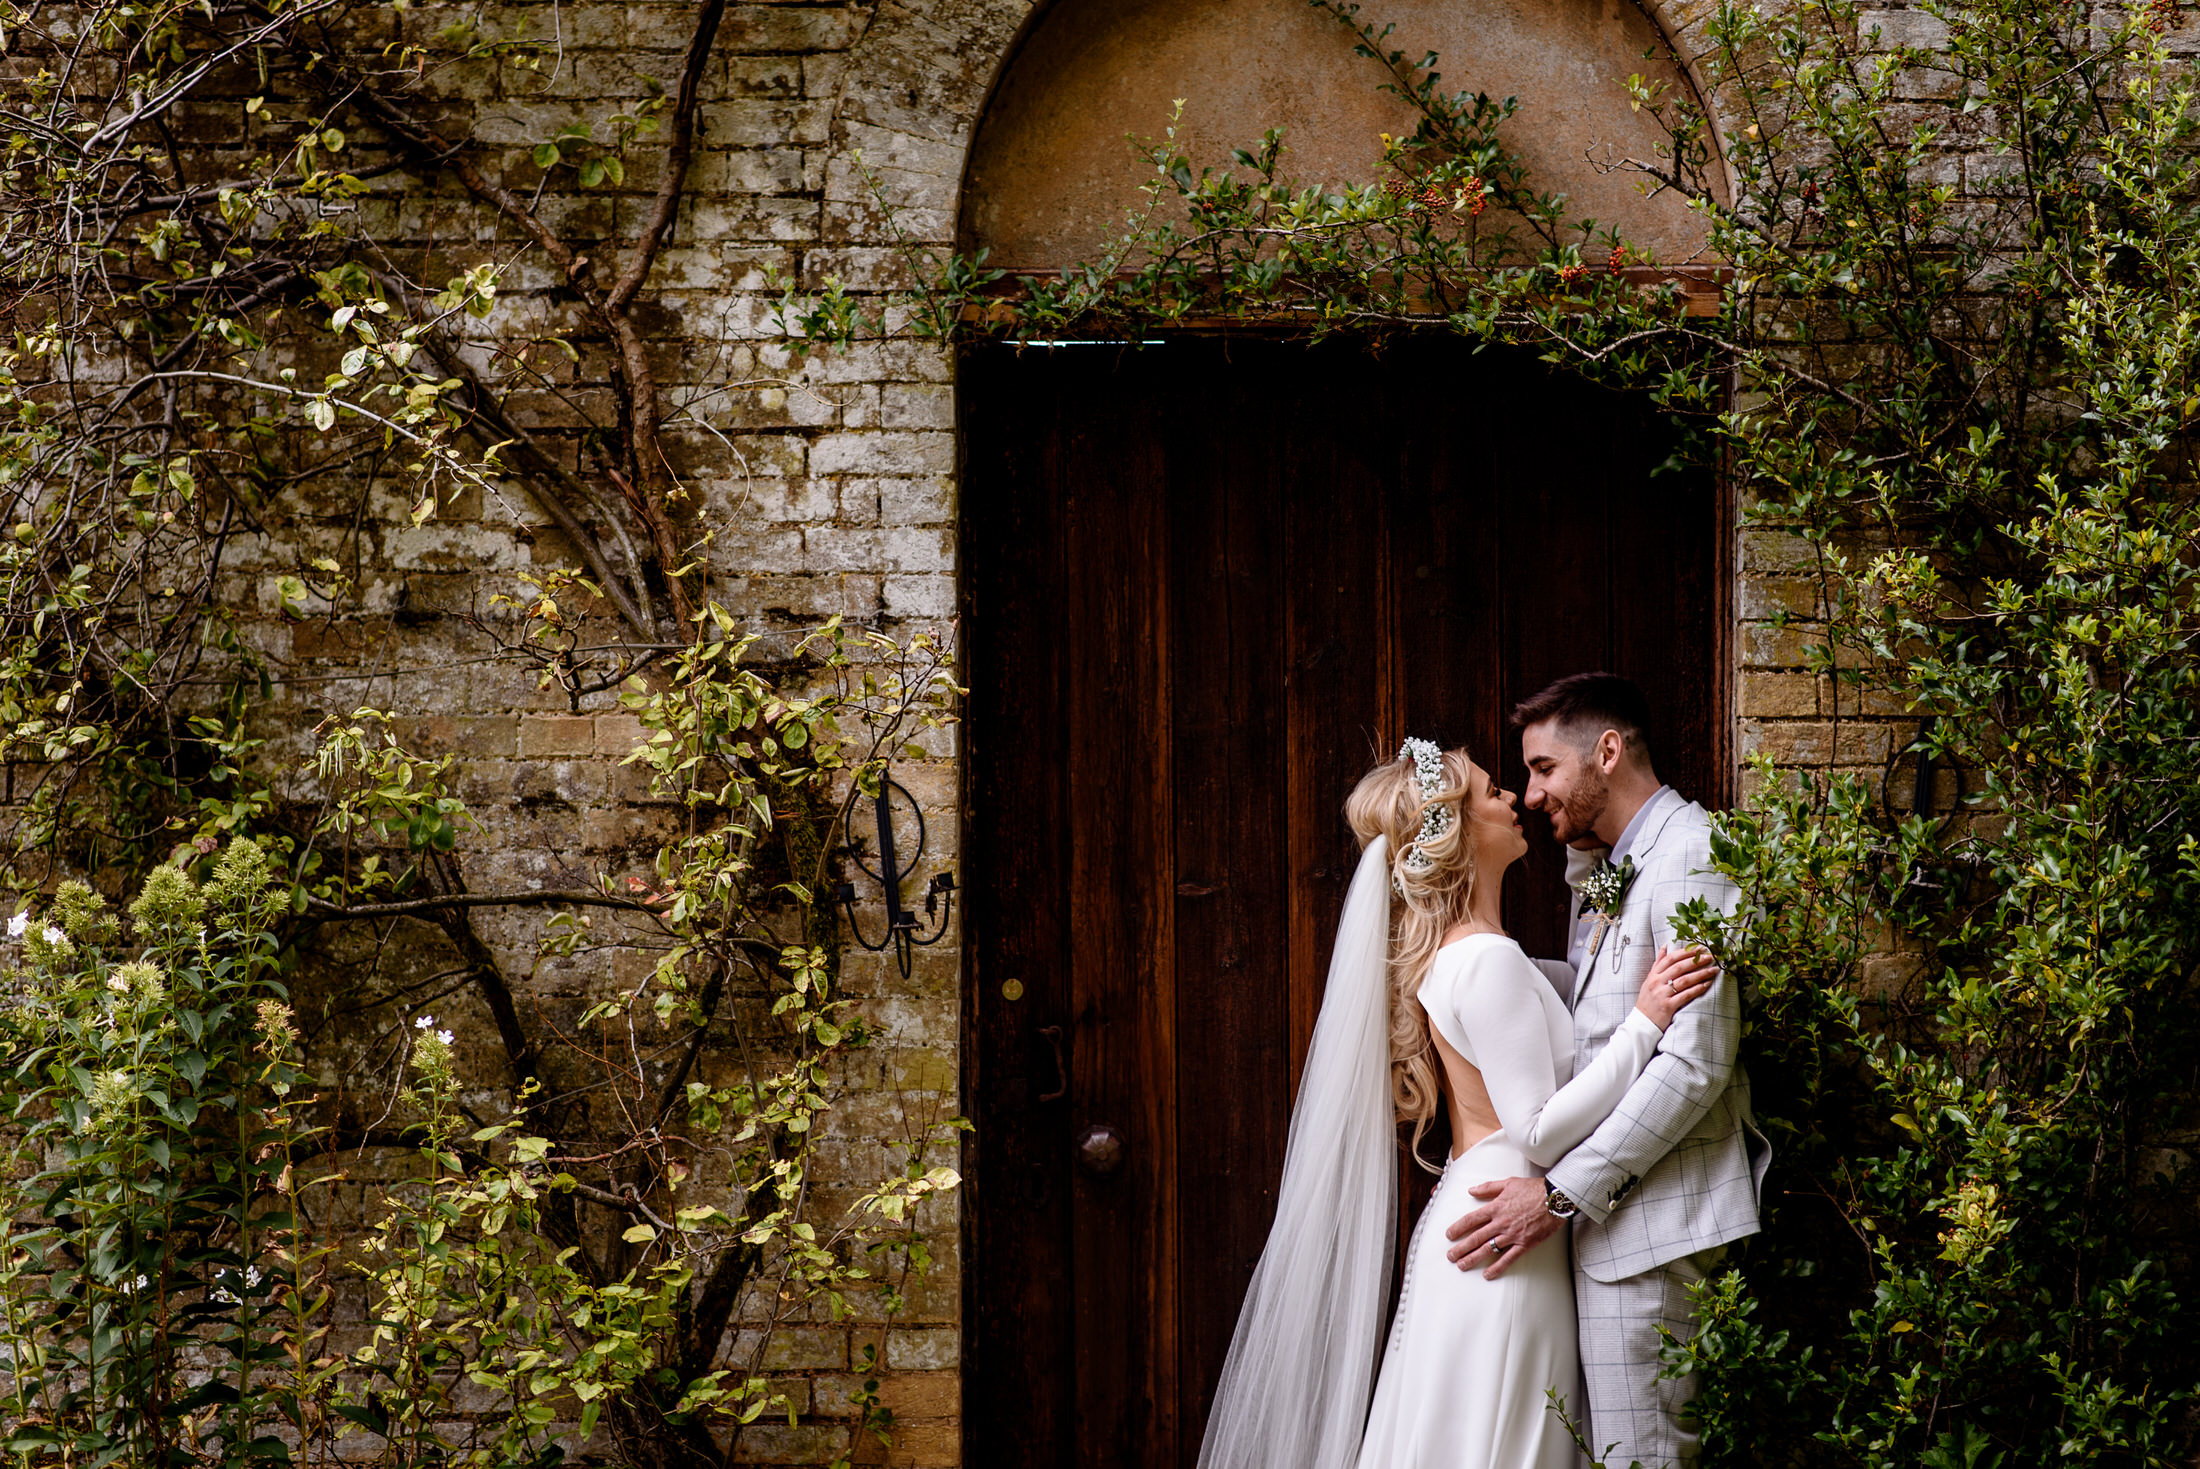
x: 117, y: 983
x: 424, y: 1022
x: 443, y: 1036
x: 17, y: 925
x: 1436, y: 819
x: 1604, y: 888
x: 227, y: 1296
x: 53, y: 935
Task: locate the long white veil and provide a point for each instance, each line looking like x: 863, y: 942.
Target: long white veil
x: 1295, y: 1388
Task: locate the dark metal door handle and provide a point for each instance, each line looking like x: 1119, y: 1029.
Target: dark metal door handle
x: 1053, y: 1033
x: 1100, y: 1150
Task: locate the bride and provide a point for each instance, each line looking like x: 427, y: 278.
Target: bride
x: 1428, y: 1005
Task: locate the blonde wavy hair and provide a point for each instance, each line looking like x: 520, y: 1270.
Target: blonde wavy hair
x: 1428, y: 902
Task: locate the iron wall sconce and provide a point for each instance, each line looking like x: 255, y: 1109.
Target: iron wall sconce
x: 1924, y: 877
x: 901, y: 923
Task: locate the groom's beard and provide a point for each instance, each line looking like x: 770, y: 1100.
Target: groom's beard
x: 1577, y: 815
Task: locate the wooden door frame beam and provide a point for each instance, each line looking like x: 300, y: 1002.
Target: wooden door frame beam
x: 1703, y: 290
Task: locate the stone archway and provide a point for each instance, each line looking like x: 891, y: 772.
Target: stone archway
x: 920, y: 77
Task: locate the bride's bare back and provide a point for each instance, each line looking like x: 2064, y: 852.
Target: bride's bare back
x: 1473, y: 1116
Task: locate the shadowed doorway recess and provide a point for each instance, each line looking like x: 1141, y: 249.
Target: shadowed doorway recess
x: 1206, y: 584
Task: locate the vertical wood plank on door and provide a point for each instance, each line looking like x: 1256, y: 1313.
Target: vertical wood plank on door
x: 1340, y: 710
x: 1227, y: 634
x: 1018, y: 1161
x: 1556, y: 617
x: 1123, y: 1070
x: 1453, y: 563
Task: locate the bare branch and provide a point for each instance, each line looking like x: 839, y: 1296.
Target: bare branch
x: 681, y: 148
x: 453, y: 902
x: 643, y: 413
x: 483, y: 405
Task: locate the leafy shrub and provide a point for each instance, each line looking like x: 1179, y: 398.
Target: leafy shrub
x: 174, y: 1281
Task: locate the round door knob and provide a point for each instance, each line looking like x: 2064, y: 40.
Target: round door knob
x: 1100, y: 1150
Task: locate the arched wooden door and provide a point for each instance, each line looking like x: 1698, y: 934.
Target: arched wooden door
x: 1206, y: 584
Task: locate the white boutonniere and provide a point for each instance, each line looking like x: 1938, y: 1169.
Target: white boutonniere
x: 1604, y: 893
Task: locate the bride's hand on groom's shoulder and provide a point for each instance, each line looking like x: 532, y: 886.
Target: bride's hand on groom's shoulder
x: 1678, y: 976
x: 1514, y: 1218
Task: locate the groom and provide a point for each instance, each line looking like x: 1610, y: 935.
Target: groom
x: 1657, y: 1192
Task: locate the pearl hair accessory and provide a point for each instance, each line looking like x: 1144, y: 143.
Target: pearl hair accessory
x: 1428, y: 775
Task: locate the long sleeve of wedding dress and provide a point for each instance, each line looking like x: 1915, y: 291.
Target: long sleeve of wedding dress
x: 1493, y: 1005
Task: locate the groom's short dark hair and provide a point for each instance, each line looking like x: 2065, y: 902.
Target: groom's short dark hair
x: 1588, y: 704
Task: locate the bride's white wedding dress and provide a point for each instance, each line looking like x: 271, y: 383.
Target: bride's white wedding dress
x: 1466, y: 1376
x: 1472, y: 1363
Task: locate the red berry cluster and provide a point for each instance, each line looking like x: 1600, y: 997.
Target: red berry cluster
x: 1421, y: 197
x: 1568, y: 274
x: 1618, y: 260
x: 1417, y: 197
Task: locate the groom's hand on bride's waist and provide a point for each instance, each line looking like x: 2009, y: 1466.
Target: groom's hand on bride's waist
x: 1514, y: 1218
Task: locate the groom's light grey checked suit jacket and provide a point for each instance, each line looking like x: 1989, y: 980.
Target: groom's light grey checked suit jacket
x: 1677, y: 1166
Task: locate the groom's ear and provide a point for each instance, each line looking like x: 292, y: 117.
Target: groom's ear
x: 1610, y: 749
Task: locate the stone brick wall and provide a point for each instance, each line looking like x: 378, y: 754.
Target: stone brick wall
x: 826, y: 488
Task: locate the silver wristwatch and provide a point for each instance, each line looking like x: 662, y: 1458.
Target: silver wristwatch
x: 1560, y: 1206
